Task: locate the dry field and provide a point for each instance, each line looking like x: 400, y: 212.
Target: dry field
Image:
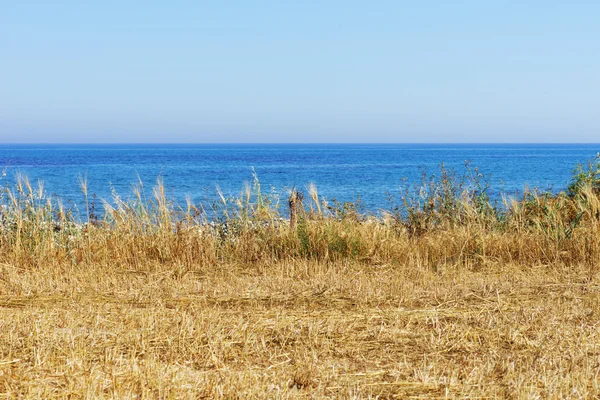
x: 299, y: 329
x: 453, y: 300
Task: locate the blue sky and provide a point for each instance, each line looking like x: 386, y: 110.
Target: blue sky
x: 299, y: 71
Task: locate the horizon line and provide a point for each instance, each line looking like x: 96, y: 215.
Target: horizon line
x: 297, y: 143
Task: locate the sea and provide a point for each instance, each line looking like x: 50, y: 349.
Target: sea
x: 373, y: 175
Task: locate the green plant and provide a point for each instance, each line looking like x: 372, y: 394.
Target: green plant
x: 585, y: 175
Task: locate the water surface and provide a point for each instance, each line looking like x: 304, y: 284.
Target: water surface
x: 340, y: 171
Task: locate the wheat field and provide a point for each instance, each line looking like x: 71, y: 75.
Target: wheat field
x: 448, y: 296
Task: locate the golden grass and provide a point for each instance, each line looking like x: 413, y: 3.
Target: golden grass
x: 155, y: 302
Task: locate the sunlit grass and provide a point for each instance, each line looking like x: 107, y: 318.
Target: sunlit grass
x: 446, y: 295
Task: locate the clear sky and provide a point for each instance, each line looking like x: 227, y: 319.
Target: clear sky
x: 300, y: 71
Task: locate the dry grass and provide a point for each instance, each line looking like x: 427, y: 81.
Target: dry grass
x: 448, y: 299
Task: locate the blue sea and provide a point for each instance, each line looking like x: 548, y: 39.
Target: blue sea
x: 345, y: 172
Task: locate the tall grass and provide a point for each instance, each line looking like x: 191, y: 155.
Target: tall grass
x: 447, y: 220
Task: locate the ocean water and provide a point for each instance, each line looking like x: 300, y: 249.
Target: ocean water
x: 340, y: 171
